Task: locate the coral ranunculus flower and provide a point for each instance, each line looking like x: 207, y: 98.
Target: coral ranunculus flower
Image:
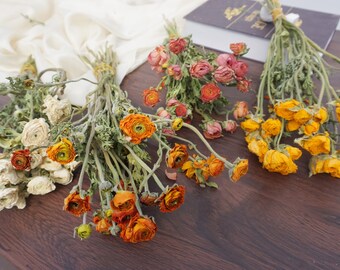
x: 240, y: 169
x: 275, y: 161
x: 138, y: 127
x: 139, y: 229
x: 238, y: 48
x: 122, y: 205
x: 216, y: 166
x: 76, y: 205
x: 177, y: 45
x: 172, y: 199
x: 317, y: 144
x: 177, y: 156
x: 240, y: 110
x: 284, y: 109
x: 63, y: 152
x: 151, y: 97
x: 271, y: 127
x: 210, y: 92
x: 21, y: 160
x: 243, y: 85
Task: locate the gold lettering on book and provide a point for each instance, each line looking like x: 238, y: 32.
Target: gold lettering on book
x: 259, y: 25
x: 252, y: 16
x: 232, y: 12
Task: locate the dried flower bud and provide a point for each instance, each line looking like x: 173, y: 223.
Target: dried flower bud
x: 84, y: 231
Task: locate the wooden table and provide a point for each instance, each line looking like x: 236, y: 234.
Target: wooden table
x: 266, y: 221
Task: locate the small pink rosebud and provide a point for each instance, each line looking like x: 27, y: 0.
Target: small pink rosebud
x: 224, y: 74
x: 200, y: 69
x: 161, y: 112
x: 177, y: 45
x: 157, y: 58
x: 172, y: 102
x: 230, y: 126
x: 226, y: 60
x: 241, y: 110
x: 212, y: 130
x: 168, y: 131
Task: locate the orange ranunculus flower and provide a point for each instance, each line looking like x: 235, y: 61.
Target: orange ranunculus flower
x: 171, y: 199
x: 337, y: 110
x: 76, y: 205
x: 103, y: 226
x: 238, y: 48
x: 240, y: 169
x: 302, y: 116
x: 311, y: 127
x: 284, y: 109
x: 250, y: 125
x: 275, y: 161
x: 139, y: 229
x: 210, y: 92
x: 316, y: 165
x: 216, y: 166
x: 271, y: 127
x: 317, y: 144
x: 151, y: 97
x: 294, y: 152
x: 259, y: 148
x: 292, y: 125
x: 138, y: 127
x: 177, y: 156
x: 21, y: 160
x: 63, y: 152
x: 198, y: 168
x: 123, y: 204
x: 332, y: 166
x: 321, y: 115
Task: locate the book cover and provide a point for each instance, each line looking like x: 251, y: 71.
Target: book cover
x: 241, y: 19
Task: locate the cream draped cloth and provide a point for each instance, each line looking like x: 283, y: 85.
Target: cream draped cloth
x: 56, y: 32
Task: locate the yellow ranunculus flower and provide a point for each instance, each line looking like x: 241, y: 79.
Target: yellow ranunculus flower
x: 311, y: 127
x: 302, y: 116
x: 177, y: 124
x: 316, y: 165
x: 62, y: 152
x: 294, y: 152
x: 283, y: 109
x: 292, y: 125
x: 258, y: 147
x: 250, y: 125
x: 332, y: 166
x: 275, y: 161
x: 271, y: 127
x: 321, y: 115
x: 240, y: 169
x: 317, y: 144
x: 337, y: 110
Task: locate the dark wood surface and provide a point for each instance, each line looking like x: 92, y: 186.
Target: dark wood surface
x: 265, y: 221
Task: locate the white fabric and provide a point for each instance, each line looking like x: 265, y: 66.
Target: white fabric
x: 132, y: 27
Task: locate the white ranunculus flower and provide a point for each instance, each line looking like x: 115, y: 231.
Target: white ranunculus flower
x: 37, y: 157
x: 50, y: 165
x: 62, y: 176
x: 7, y: 173
x: 40, y: 185
x: 56, y: 109
x: 35, y: 133
x: 72, y: 165
x: 8, y: 197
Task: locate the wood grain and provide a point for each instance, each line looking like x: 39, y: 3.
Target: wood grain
x: 266, y: 221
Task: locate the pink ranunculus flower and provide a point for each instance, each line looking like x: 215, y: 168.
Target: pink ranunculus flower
x: 212, y: 130
x: 241, y: 110
x: 175, y: 71
x: 240, y: 68
x: 157, y: 58
x: 177, y: 45
x: 224, y: 74
x: 161, y: 112
x: 226, y: 60
x: 172, y: 102
x: 168, y: 131
x: 200, y: 69
x: 230, y: 126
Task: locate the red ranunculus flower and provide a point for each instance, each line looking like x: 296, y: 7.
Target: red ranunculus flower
x: 21, y: 160
x: 210, y: 92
